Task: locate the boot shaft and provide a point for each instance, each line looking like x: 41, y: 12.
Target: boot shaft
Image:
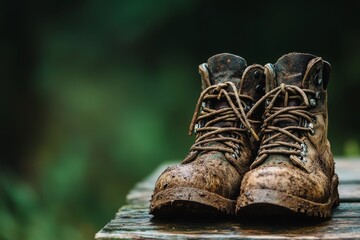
x: 306, y: 71
x: 220, y: 120
x: 300, y: 80
x: 225, y: 67
x: 222, y: 68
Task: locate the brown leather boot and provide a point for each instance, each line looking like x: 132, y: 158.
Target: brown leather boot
x: 207, y: 182
x: 294, y: 169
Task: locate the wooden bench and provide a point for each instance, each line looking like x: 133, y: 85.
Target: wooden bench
x: 133, y: 221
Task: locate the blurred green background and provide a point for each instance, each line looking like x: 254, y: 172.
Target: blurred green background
x: 96, y: 94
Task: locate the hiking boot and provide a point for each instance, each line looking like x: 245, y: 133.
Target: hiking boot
x: 207, y: 182
x: 293, y: 173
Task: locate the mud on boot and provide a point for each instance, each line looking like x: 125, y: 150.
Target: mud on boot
x: 293, y: 173
x: 207, y: 181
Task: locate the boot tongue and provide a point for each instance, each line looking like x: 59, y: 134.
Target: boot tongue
x: 222, y: 68
x: 290, y: 68
x: 226, y: 67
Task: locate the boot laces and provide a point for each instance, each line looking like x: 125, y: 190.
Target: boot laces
x: 205, y: 118
x: 280, y: 139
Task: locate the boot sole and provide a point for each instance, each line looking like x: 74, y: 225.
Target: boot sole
x: 184, y: 201
x: 266, y: 202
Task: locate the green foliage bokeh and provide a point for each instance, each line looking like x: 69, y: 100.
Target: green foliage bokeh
x: 116, y: 83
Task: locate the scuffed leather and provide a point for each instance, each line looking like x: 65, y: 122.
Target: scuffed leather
x: 211, y: 171
x: 310, y: 178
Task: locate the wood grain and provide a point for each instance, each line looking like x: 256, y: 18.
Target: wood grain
x: 133, y: 221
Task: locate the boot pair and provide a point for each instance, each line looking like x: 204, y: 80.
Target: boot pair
x: 261, y: 143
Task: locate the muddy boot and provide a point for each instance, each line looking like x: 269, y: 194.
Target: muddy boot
x: 207, y: 182
x: 293, y: 174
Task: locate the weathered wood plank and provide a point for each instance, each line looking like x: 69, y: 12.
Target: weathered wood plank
x: 349, y: 192
x: 133, y: 220
x: 348, y: 169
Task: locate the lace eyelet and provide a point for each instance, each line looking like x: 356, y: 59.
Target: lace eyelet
x: 197, y: 125
x: 203, y: 104
x: 312, y: 102
x: 311, y: 127
x: 303, y: 150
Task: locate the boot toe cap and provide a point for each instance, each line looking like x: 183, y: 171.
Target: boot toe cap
x: 215, y: 176
x: 287, y: 179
